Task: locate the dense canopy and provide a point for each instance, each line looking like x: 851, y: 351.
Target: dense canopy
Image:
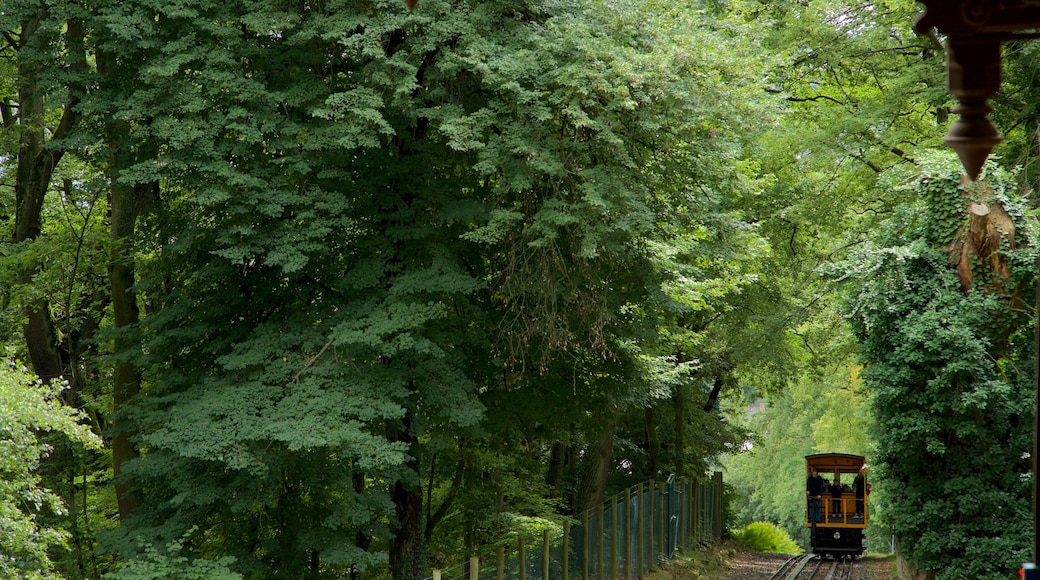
x: 349, y: 289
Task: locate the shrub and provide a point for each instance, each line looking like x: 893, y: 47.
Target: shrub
x: 766, y: 537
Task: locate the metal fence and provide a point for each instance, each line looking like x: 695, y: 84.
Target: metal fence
x: 624, y: 538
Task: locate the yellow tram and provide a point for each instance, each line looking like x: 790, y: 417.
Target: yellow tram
x: 836, y: 503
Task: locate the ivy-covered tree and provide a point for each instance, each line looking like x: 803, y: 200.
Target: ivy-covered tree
x: 942, y: 310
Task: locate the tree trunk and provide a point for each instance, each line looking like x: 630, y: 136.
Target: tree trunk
x: 35, y: 166
x: 653, y: 442
x: 713, y: 398
x: 599, y: 468
x: 126, y: 202
x: 559, y: 460
x: 977, y: 250
x: 407, y: 552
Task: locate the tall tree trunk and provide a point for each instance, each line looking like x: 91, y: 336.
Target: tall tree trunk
x: 126, y: 202
x: 35, y: 167
x: 653, y: 441
x: 599, y: 469
x: 407, y: 552
x: 559, y: 460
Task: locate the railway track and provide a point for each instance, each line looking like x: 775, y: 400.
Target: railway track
x: 812, y: 567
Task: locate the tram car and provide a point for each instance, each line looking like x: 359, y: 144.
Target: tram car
x: 836, y: 504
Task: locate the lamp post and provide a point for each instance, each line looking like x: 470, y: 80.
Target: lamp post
x: 974, y: 31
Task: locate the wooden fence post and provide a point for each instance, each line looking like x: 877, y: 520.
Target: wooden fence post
x: 545, y: 554
x: 626, y: 535
x: 500, y: 563
x: 681, y: 529
x: 651, y: 521
x: 585, y: 545
x: 662, y: 538
x: 693, y: 511
x: 474, y: 567
x: 523, y: 561
x: 599, y: 546
x: 697, y: 512
x: 566, y: 548
x: 613, y: 536
x: 641, y: 531
x: 718, y: 504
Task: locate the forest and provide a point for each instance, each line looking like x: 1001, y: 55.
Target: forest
x: 328, y: 289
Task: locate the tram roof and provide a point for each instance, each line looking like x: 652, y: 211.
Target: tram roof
x: 832, y: 461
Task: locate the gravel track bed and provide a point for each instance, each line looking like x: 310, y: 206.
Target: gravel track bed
x: 760, y: 566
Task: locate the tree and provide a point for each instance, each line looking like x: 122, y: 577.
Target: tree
x: 30, y: 29
x: 438, y: 207
x: 941, y: 312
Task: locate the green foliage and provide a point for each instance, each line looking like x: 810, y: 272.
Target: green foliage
x: 28, y: 408
x: 731, y: 499
x: 856, y: 92
x: 169, y: 564
x: 392, y: 245
x: 951, y: 377
x: 766, y: 537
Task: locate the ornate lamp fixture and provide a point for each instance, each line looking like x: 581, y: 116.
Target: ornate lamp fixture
x: 974, y: 30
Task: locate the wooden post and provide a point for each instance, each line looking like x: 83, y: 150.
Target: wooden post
x: 523, y: 562
x: 680, y: 539
x: 687, y: 488
x: 651, y: 523
x: 436, y: 574
x: 718, y: 505
x: 641, y: 531
x: 474, y: 567
x: 500, y: 563
x: 545, y: 554
x: 599, y: 546
x: 697, y: 512
x: 585, y: 545
x: 662, y: 546
x: 627, y: 533
x: 613, y: 536
x: 566, y: 547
